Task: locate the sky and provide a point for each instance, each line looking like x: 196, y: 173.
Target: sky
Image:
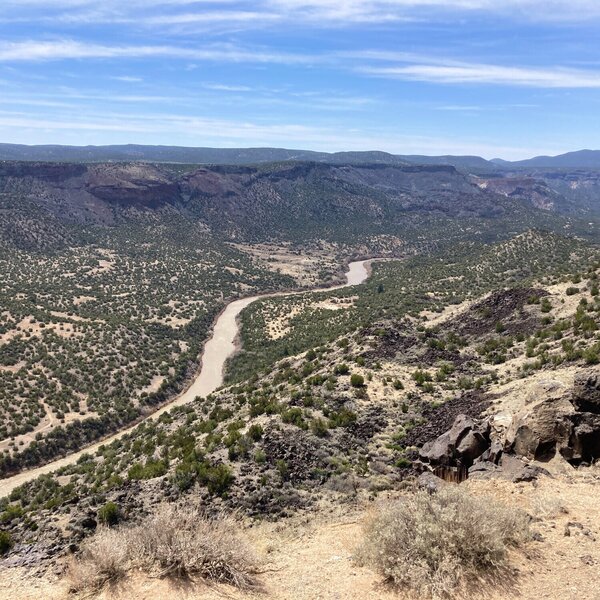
x: 495, y: 78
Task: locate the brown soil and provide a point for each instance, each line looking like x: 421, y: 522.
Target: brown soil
x: 311, y: 557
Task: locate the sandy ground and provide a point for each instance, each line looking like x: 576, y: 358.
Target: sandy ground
x: 303, y: 267
x: 311, y: 558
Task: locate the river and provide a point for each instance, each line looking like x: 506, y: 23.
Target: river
x: 220, y: 346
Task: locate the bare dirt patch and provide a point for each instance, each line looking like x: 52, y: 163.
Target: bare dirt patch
x: 304, y: 267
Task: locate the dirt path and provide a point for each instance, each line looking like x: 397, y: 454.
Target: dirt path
x: 220, y: 347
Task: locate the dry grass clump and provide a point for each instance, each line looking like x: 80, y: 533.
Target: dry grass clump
x: 183, y: 542
x: 102, y: 561
x: 177, y: 541
x: 435, y: 545
x: 548, y: 506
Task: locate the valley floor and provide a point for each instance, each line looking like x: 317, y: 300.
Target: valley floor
x: 310, y: 557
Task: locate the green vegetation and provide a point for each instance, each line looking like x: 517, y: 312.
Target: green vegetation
x: 428, y: 282
x: 92, y: 335
x: 6, y: 542
x: 109, y: 514
x: 357, y: 380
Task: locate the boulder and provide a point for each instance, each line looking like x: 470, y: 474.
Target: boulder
x: 492, y: 455
x: 459, y: 446
x: 584, y: 443
x: 438, y: 452
x: 516, y: 470
x: 429, y: 482
x: 472, y: 445
x: 544, y: 425
x: 586, y: 392
x: 484, y: 469
x: 511, y: 468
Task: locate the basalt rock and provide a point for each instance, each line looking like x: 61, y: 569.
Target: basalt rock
x: 459, y: 446
x: 544, y: 426
x: 586, y: 392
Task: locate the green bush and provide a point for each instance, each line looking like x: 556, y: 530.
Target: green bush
x: 341, y: 369
x: 255, y: 432
x: 13, y: 511
x: 109, y: 514
x: 357, y: 380
x: 398, y: 385
x: 217, y: 478
x: 6, y: 542
x: 319, y: 427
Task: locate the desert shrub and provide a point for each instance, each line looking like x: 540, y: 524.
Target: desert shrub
x: 421, y: 377
x: 398, y: 385
x: 547, y: 506
x: 109, y: 514
x: 6, y: 542
x: 217, y: 478
x: 12, y: 512
x: 357, y: 380
x: 341, y: 369
x: 176, y: 541
x: 434, y: 545
x: 319, y: 427
x: 255, y: 432
x: 102, y: 561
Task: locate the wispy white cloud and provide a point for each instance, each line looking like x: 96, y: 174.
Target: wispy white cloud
x: 199, y: 131
x: 210, y: 17
x: 258, y: 13
x: 34, y: 50
x: 128, y: 78
x: 452, y: 72
x: 221, y: 87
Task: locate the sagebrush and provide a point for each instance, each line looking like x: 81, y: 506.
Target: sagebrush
x: 435, y: 544
x: 176, y: 541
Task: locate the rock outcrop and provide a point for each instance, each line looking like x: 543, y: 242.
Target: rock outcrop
x: 559, y: 420
x: 555, y: 420
x: 586, y: 392
x: 544, y: 425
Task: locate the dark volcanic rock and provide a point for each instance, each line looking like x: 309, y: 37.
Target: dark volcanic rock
x: 505, y: 306
x: 295, y: 448
x: 441, y: 418
x: 586, y: 392
x: 459, y: 446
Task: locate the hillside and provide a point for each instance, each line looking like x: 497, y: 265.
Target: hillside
x: 115, y: 273
x: 226, y: 156
x: 351, y: 420
x: 580, y: 159
x: 56, y: 204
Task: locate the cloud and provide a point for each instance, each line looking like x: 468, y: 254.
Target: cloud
x: 198, y: 131
x: 69, y: 49
x: 128, y: 79
x: 446, y: 72
x: 249, y: 15
x: 220, y: 87
x: 208, y: 18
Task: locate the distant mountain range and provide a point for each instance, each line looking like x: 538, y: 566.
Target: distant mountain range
x: 582, y: 159
x: 589, y: 159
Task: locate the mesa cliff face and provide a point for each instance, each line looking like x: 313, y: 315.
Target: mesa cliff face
x: 293, y: 199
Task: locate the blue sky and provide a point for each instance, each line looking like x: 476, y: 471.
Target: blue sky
x: 508, y: 78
